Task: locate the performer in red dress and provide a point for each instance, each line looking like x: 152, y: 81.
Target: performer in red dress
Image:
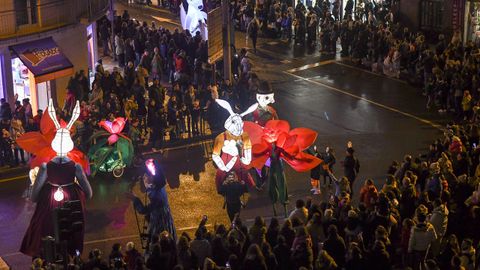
x: 232, y: 150
x: 55, y: 184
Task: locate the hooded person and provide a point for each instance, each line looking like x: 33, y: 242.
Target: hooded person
x: 158, y: 209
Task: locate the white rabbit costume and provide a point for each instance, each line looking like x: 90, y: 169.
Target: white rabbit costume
x: 57, y: 181
x: 232, y: 150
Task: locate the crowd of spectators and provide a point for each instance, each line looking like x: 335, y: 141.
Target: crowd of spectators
x: 163, y: 85
x: 424, y: 216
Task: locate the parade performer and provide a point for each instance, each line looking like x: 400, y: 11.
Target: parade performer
x: 157, y: 210
x: 261, y: 116
x: 113, y: 150
x: 264, y: 112
x: 232, y: 150
x: 58, y: 180
x: 277, y: 143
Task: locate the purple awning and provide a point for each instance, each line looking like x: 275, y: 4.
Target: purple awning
x: 43, y: 57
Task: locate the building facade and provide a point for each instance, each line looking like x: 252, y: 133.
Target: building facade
x: 43, y: 43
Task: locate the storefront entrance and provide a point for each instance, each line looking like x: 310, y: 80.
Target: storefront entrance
x: 24, y: 86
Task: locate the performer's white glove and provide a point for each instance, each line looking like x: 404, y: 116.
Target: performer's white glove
x: 219, y: 162
x: 247, y: 156
x: 230, y: 164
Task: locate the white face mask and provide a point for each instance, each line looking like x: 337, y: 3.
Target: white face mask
x: 264, y: 100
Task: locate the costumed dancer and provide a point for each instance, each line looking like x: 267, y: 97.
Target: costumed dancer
x: 323, y: 169
x: 232, y: 150
x: 55, y: 184
x: 113, y: 150
x: 277, y: 143
x: 261, y: 116
x: 157, y: 210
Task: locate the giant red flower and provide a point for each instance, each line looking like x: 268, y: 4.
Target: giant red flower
x: 114, y: 128
x: 38, y: 143
x: 277, y: 138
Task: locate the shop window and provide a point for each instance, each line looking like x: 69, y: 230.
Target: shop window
x: 431, y: 15
x: 26, y: 12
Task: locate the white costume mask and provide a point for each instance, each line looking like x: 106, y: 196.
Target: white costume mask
x: 265, y: 99
x: 234, y: 123
x: 62, y: 142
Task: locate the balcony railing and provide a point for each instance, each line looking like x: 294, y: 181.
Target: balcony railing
x: 30, y: 18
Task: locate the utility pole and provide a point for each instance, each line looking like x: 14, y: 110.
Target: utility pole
x: 112, y: 26
x: 227, y: 50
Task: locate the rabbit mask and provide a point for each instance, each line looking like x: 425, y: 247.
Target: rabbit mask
x: 62, y: 142
x: 234, y: 123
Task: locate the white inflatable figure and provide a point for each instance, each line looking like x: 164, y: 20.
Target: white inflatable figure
x: 62, y: 144
x: 233, y: 146
x: 193, y: 18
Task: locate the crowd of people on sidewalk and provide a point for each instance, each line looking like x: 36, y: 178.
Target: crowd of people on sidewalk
x: 163, y: 85
x: 411, y: 222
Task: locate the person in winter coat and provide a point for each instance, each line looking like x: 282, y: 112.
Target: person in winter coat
x: 300, y: 212
x: 335, y: 245
x: 421, y: 237
x: 351, y: 166
x: 315, y: 229
x: 254, y: 259
x: 258, y: 231
x: 434, y: 183
x: 368, y: 194
x: 282, y: 253
x: 378, y: 257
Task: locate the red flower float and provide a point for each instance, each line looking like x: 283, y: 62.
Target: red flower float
x: 114, y: 128
x: 38, y: 143
x: 276, y: 138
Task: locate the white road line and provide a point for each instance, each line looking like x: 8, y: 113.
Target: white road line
x: 425, y: 121
x: 309, y: 66
x: 370, y: 72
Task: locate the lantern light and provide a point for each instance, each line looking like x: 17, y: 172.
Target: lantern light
x: 150, y: 166
x: 58, y: 195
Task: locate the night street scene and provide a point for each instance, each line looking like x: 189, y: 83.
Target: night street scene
x: 240, y: 135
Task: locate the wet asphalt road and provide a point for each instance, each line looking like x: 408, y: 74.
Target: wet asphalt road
x: 384, y: 118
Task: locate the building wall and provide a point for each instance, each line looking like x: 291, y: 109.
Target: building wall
x: 409, y: 13
x: 73, y: 44
x: 72, y: 41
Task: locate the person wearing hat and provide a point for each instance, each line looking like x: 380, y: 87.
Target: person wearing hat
x: 264, y: 111
x: 261, y: 116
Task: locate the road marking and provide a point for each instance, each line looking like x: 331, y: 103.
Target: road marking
x: 309, y: 66
x: 170, y: 21
x: 425, y: 121
x: 14, y: 178
x: 370, y: 72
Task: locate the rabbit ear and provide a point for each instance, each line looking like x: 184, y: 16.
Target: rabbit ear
x: 225, y: 105
x: 250, y: 109
x: 75, y: 115
x: 53, y: 114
